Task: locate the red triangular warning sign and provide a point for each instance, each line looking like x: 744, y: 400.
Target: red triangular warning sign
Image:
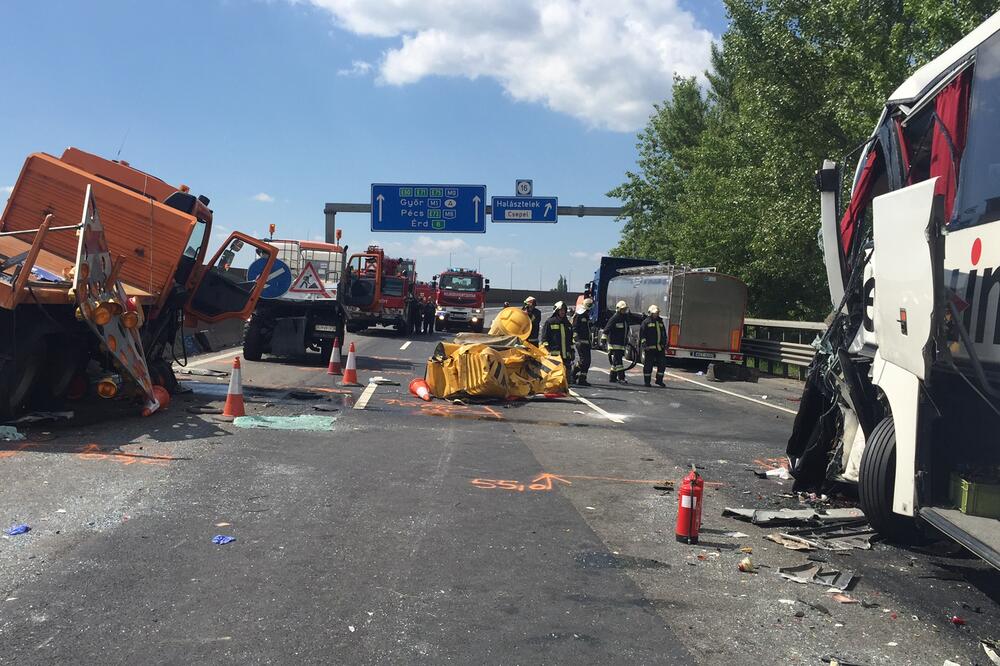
x: 308, y: 282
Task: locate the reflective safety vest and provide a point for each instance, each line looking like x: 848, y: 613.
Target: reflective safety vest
x: 617, y: 330
x: 654, y: 333
x: 557, y: 336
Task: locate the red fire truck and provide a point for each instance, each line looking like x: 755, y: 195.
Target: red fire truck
x: 460, y: 299
x: 381, y: 292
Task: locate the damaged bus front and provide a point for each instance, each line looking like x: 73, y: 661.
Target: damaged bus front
x: 903, y: 398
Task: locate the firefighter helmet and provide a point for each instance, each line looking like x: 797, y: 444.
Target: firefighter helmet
x: 653, y: 309
x: 621, y: 305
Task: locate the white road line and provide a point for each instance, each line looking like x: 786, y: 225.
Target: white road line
x: 212, y: 359
x: 366, y: 395
x: 610, y: 417
x: 406, y: 344
x: 720, y: 390
x: 735, y: 395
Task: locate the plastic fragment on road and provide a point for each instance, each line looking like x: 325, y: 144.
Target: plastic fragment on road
x: 957, y: 621
x: 10, y: 434
x: 735, y: 535
x: 992, y: 649
x: 842, y: 598
x: 790, y: 542
x: 34, y: 417
x: 794, y: 516
x: 223, y: 539
x: 383, y: 381
x: 17, y: 529
x: 746, y: 565
x: 300, y: 422
x: 778, y: 473
x: 812, y: 572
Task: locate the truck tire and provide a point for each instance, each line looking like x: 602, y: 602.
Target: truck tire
x: 18, y: 375
x: 875, y: 486
x: 253, y: 339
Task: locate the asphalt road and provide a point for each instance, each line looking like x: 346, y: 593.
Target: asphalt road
x: 412, y: 532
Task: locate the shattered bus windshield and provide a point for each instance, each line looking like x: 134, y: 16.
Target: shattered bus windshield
x: 979, y: 181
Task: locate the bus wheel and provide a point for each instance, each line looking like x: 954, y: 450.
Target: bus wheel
x: 875, y: 486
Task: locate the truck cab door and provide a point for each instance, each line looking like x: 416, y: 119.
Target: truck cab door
x: 908, y: 270
x: 364, y: 284
x: 222, y: 290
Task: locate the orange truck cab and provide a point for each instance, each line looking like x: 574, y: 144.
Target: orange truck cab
x: 380, y: 291
x: 156, y: 236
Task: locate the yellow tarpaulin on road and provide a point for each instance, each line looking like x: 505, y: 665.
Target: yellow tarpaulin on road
x: 493, y: 366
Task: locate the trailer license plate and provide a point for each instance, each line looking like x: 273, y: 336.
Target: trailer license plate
x: 703, y: 354
x: 326, y: 327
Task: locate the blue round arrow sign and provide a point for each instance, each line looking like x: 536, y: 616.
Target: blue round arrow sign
x: 278, y: 281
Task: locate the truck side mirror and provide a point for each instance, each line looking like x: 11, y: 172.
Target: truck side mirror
x: 487, y: 287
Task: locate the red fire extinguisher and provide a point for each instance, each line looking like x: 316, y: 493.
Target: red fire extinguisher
x: 689, y: 507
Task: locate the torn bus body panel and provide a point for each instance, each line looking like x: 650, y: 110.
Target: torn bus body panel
x: 904, y: 391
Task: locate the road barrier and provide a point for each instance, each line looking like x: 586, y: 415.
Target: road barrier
x: 780, y: 347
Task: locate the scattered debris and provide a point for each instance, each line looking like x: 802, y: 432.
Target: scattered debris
x: 746, y: 565
x: 842, y: 598
x: 300, y: 422
x: 794, y: 516
x: 10, y: 434
x: 790, y: 542
x: 837, y: 537
x: 202, y: 372
x: 778, y: 473
x: 815, y: 573
x: 736, y: 535
x: 790, y: 602
x: 383, y: 381
x: 992, y: 649
x: 351, y: 628
x: 957, y: 621
x: 35, y: 417
x: 203, y: 410
x: 746, y: 550
x: 322, y: 407
x: 223, y: 524
x: 223, y: 539
x: 17, y: 529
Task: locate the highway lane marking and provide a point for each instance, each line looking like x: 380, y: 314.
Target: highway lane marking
x: 716, y: 388
x: 211, y: 359
x: 735, y: 395
x: 406, y: 344
x: 366, y: 395
x: 610, y: 417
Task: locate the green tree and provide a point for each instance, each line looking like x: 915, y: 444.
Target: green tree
x: 793, y: 82
x: 561, y: 285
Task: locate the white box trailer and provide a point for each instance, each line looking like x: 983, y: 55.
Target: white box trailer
x: 703, y: 310
x: 903, y: 398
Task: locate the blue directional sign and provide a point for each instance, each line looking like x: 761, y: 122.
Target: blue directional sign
x: 451, y: 209
x: 525, y: 209
x: 277, y: 282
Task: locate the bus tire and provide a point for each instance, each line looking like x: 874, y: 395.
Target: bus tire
x: 875, y: 486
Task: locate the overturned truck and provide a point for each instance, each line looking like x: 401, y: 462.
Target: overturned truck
x: 903, y: 398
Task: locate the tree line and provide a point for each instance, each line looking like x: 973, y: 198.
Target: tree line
x: 725, y: 166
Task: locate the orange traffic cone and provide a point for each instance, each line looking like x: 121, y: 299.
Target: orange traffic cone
x: 234, y: 397
x: 351, y: 371
x: 418, y: 387
x: 334, y: 367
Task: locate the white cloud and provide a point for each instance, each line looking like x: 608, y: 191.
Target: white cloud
x: 425, y: 246
x: 601, y: 61
x: 263, y: 197
x: 6, y: 189
x: 357, y: 68
x: 590, y: 256
x: 498, y: 252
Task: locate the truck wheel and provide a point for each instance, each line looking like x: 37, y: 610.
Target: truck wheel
x: 18, y: 375
x: 253, y: 339
x: 875, y: 486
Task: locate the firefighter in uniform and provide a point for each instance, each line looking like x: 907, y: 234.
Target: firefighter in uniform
x: 581, y: 341
x: 653, y: 334
x: 616, y: 333
x: 536, y: 317
x: 428, y: 312
x: 557, y: 336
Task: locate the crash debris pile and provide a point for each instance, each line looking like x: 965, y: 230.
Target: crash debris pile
x: 501, y: 365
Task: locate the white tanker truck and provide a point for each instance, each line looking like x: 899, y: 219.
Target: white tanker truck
x: 903, y: 398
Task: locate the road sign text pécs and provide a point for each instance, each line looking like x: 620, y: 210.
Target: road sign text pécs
x: 429, y: 208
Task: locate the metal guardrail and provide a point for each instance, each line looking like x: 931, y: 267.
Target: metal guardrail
x: 780, y: 347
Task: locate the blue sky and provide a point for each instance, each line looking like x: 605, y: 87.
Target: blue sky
x: 274, y: 108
